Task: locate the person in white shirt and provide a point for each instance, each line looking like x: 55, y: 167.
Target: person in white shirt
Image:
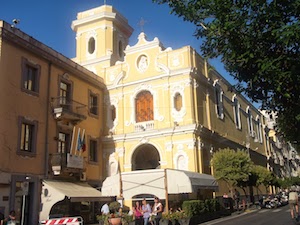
x: 293, y: 202
x: 105, y: 209
x: 157, y: 210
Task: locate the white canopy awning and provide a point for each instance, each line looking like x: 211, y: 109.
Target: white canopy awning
x: 54, y: 191
x: 156, y: 182
x: 75, y: 191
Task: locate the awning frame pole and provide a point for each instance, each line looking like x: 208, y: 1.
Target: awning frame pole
x: 166, y: 191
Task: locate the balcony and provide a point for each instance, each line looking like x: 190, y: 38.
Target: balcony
x: 144, y: 126
x: 68, y: 110
x: 66, y: 163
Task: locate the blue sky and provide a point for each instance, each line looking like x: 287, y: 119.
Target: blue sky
x: 49, y: 21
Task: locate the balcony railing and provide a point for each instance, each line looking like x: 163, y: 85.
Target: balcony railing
x: 65, y: 162
x: 144, y: 126
x: 65, y: 108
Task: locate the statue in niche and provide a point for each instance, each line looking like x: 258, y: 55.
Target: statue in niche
x: 143, y: 63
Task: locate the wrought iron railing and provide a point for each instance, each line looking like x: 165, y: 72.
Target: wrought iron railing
x: 66, y: 105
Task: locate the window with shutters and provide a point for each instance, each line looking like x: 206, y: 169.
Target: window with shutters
x: 27, y: 137
x: 144, y: 106
x: 30, y: 77
x: 236, y: 112
x: 93, y: 103
x: 250, y: 122
x: 93, y: 150
x: 219, y: 101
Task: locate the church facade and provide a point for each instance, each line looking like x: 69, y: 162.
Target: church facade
x: 164, y: 108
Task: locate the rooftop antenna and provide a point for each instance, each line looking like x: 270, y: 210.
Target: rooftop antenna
x: 15, y: 23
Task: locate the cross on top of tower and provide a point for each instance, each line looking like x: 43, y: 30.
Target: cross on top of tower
x: 141, y: 23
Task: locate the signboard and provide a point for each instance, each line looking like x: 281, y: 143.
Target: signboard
x: 74, y: 161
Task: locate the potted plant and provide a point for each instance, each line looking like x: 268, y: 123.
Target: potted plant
x: 166, y: 217
x: 114, y: 217
x: 103, y: 219
x: 128, y: 219
x: 182, y: 218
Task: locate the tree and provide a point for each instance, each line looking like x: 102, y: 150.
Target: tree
x: 258, y: 42
x: 261, y: 176
x: 231, y: 166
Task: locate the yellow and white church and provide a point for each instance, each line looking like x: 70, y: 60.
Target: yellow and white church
x: 166, y: 112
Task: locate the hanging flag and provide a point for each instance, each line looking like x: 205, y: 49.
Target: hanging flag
x: 83, y: 146
x: 79, y: 141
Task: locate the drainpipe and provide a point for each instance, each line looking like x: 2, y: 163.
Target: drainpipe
x: 47, y: 122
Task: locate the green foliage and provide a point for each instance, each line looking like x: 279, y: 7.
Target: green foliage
x: 199, y: 207
x: 126, y: 219
x: 175, y: 215
x: 258, y: 42
x: 231, y: 166
x: 212, y: 205
x: 114, y: 206
x: 261, y: 175
x: 288, y: 182
x: 193, y: 207
x: 103, y: 219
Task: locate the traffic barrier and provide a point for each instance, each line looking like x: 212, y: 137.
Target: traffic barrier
x: 77, y: 220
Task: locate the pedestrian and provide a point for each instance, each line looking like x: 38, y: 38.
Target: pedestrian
x: 146, y: 209
x: 11, y: 219
x: 105, y: 209
x: 138, y: 214
x: 293, y: 202
x: 157, y: 210
x: 1, y: 218
x: 225, y: 200
x: 236, y: 198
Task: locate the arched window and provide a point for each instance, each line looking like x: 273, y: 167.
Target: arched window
x: 144, y: 107
x: 178, y: 101
x: 258, y: 130
x: 219, y: 101
x: 91, y: 45
x: 236, y: 112
x: 250, y: 122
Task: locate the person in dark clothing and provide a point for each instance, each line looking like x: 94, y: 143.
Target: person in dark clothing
x: 236, y: 198
x: 1, y: 218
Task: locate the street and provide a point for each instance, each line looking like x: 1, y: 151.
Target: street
x: 279, y: 216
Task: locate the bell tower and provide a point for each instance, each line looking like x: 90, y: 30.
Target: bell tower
x: 102, y: 34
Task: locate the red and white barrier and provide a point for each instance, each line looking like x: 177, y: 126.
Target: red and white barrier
x: 64, y: 221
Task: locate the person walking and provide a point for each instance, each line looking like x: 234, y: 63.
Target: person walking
x: 236, y: 198
x: 293, y: 202
x: 157, y: 210
x: 146, y: 209
x: 1, y: 218
x: 225, y: 200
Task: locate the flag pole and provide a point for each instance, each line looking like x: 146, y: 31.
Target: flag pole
x: 72, y: 140
x: 78, y: 136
